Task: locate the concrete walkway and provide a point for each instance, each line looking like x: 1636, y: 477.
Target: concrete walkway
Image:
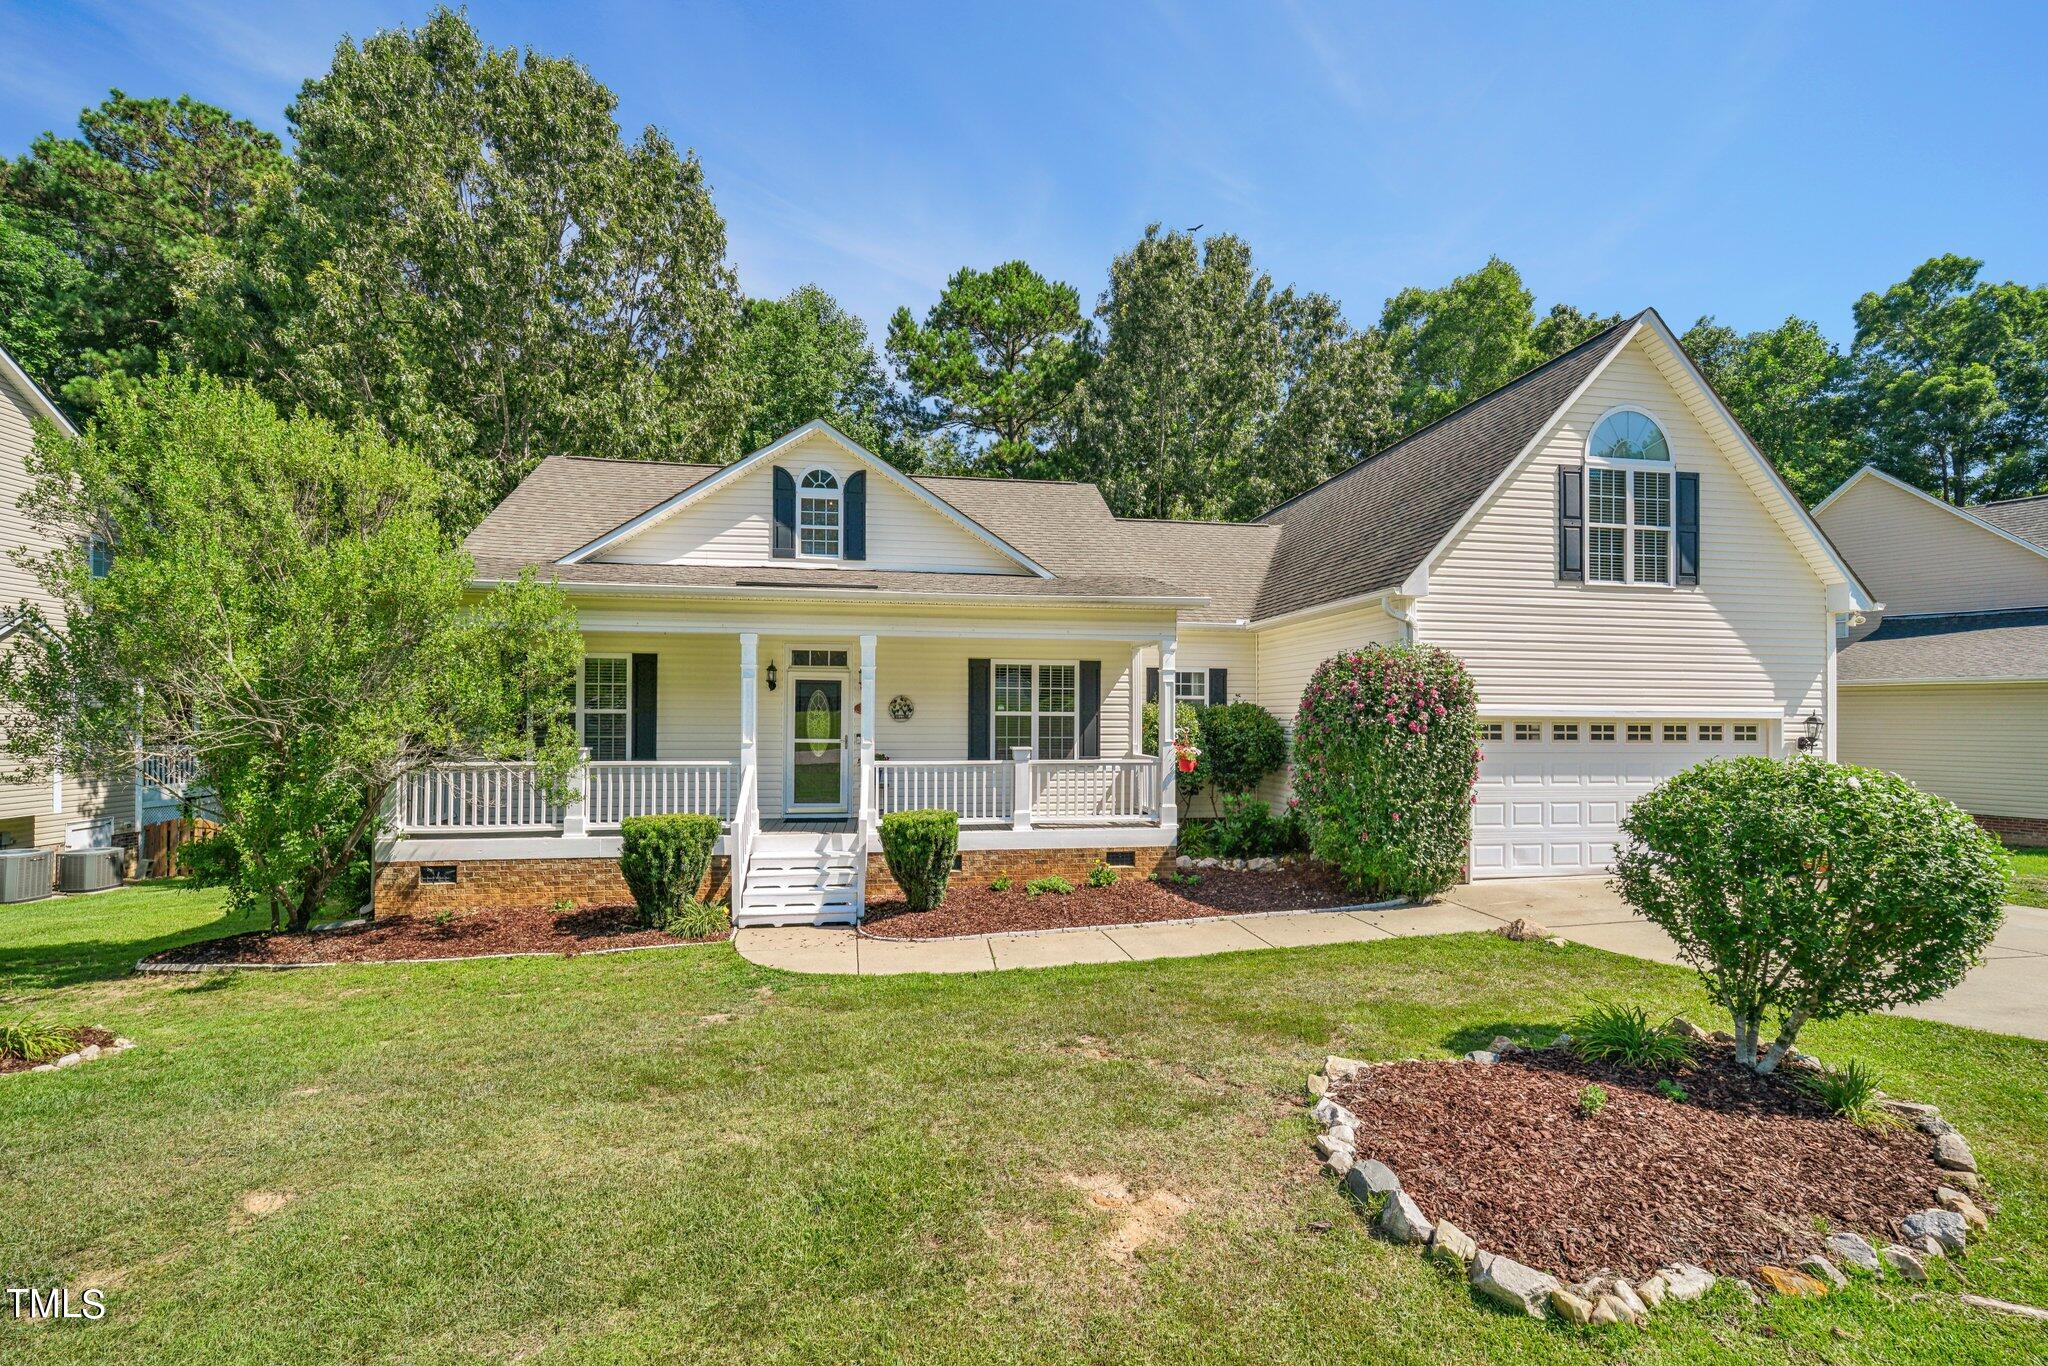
x: 2003, y: 994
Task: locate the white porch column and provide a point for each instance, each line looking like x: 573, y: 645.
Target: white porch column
x: 575, y: 818
x: 1020, y: 788
x: 1169, y: 718
x: 1137, y: 686
x: 750, y: 655
x: 869, y: 819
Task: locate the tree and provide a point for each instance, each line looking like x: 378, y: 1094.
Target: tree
x: 38, y: 288
x: 1808, y: 890
x: 1952, y: 376
x: 1218, y: 395
x: 1564, y: 327
x: 1788, y: 387
x: 803, y: 357
x: 283, y: 604
x: 143, y: 203
x: 469, y: 257
x: 997, y: 359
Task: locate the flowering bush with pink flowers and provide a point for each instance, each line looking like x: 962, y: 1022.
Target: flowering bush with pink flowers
x: 1386, y: 749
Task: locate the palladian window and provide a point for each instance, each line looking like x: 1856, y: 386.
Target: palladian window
x: 1628, y: 503
x: 818, y: 514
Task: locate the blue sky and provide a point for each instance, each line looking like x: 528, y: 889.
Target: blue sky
x: 1745, y: 160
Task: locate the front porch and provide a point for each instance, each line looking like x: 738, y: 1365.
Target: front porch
x: 803, y: 776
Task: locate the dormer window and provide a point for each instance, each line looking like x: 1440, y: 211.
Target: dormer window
x: 818, y: 515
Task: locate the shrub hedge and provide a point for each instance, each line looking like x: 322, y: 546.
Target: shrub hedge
x: 919, y: 847
x: 663, y: 861
x: 1386, y: 749
x: 1241, y: 743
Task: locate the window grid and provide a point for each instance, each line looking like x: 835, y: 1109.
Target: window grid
x: 606, y: 699
x: 1710, y: 732
x: 1600, y: 730
x: 1490, y: 730
x: 817, y: 659
x: 1526, y: 731
x: 1629, y: 525
x: 1191, y: 685
x: 1565, y: 730
x: 1745, y: 732
x: 1037, y: 707
x: 1639, y: 732
x: 817, y: 515
x: 1674, y: 732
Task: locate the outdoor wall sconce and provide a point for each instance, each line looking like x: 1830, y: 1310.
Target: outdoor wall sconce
x: 771, y: 675
x: 1811, y: 740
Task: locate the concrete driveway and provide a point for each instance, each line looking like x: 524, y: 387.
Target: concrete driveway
x: 2003, y: 993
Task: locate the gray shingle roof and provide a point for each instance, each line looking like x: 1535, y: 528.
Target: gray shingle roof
x: 565, y: 504
x: 1966, y: 647
x: 2026, y: 518
x: 1023, y: 587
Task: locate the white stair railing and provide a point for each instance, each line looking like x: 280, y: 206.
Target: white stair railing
x: 980, y: 790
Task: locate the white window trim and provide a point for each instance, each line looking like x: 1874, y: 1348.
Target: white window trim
x: 836, y: 496
x: 1181, y: 676
x: 1034, y: 665
x: 582, y: 678
x: 1629, y: 527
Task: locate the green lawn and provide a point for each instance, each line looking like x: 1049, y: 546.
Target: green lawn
x: 2029, y: 877
x: 565, y: 1158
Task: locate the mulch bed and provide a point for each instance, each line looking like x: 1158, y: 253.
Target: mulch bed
x: 971, y: 908
x: 83, y: 1037
x: 469, y: 934
x: 1729, y: 1179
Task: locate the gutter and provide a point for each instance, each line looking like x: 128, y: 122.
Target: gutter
x: 801, y: 593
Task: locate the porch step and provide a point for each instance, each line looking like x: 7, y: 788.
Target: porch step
x: 790, y: 884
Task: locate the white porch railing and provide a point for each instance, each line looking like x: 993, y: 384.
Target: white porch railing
x: 476, y: 798
x: 1089, y: 791
x: 616, y: 789
x: 981, y: 790
x: 173, y: 772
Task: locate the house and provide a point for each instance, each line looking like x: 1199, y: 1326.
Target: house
x: 1950, y: 687
x: 807, y: 639
x: 61, y: 811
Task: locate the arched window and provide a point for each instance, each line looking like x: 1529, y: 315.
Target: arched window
x: 1628, y: 501
x: 818, y: 515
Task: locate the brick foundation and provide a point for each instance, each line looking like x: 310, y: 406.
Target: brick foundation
x: 483, y: 883
x: 982, y: 866
x: 2027, y: 831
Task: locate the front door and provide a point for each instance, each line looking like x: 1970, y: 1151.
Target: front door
x: 817, y: 743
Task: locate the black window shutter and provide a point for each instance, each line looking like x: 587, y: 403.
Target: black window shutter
x: 785, y: 514
x: 1219, y: 687
x: 1151, y: 685
x: 1091, y: 710
x: 1571, y: 521
x: 854, y: 544
x: 1688, y: 528
x: 644, y: 699
x: 978, y: 738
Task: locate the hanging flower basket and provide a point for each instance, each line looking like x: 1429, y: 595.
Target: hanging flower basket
x: 1185, y: 756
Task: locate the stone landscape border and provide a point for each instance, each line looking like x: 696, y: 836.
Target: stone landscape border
x: 1924, y: 1235
x: 89, y: 1053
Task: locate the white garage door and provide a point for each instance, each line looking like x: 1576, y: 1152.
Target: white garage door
x: 1552, y: 793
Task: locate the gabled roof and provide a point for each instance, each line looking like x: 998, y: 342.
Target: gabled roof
x: 2011, y: 521
x: 1366, y: 529
x: 39, y: 402
x: 703, y: 488
x: 2026, y: 518
x: 568, y: 502
x: 1965, y: 647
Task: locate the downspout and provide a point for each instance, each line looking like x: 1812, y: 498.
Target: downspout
x: 1405, y: 616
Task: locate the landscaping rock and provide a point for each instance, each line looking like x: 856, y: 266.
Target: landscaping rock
x: 1402, y: 1220
x: 89, y: 1052
x: 1570, y: 1307
x: 1686, y: 1282
x: 1452, y: 1244
x: 1318, y: 1085
x: 1626, y: 1293
x: 1561, y: 1041
x: 1821, y: 1269
x: 1345, y: 1135
x: 1934, y: 1126
x: 1721, y: 1036
x: 1944, y: 1226
x: 1507, y: 1281
x: 1328, y: 1112
x: 1952, y: 1152
x: 1969, y: 1181
x: 1856, y: 1250
x: 1522, y: 931
x: 1328, y: 1145
x: 1481, y: 1055
x: 1338, y: 1164
x: 1908, y: 1109
x: 1652, y: 1289
x: 1684, y: 1028
x: 1183, y: 863
x: 1370, y: 1178
x: 1342, y: 1069
x: 1262, y: 865
x: 1805, y: 1062
x: 1207, y: 862
x: 1794, y: 1283
x: 1948, y: 1197
x: 1906, y: 1262
x: 1557, y: 941
x: 1614, y: 1309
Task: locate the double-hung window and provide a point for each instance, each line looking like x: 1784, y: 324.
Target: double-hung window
x: 1037, y: 707
x: 1628, y: 501
x: 1191, y: 685
x: 818, y: 515
x: 603, y: 705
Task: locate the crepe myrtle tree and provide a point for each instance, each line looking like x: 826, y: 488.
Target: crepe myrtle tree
x: 1807, y: 890
x: 282, y: 603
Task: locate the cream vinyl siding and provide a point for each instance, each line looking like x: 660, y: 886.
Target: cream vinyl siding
x: 1918, y: 558
x: 735, y: 525
x: 1982, y: 746
x: 22, y: 803
x: 1287, y: 654
x: 1754, y: 634
x: 1195, y: 648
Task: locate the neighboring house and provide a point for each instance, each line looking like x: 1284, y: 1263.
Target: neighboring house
x: 807, y: 639
x: 1950, y: 688
x: 56, y: 812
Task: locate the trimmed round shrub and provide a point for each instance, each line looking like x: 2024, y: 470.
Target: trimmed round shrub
x: 1386, y: 749
x: 1808, y: 890
x: 1241, y: 743
x: 663, y: 860
x: 919, y: 847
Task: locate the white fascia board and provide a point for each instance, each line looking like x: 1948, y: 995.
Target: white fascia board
x: 703, y: 487
x: 34, y: 396
x: 802, y: 593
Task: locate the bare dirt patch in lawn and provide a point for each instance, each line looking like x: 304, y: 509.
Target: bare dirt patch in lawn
x: 1731, y: 1178
x: 972, y: 908
x: 407, y: 936
x: 1145, y: 1220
